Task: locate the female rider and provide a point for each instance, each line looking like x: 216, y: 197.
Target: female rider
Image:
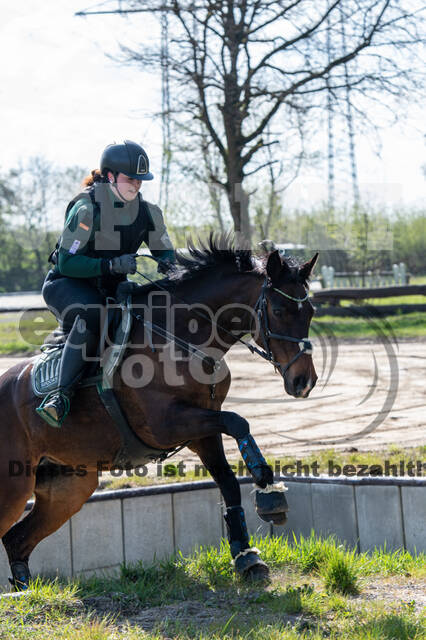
x: 104, y: 227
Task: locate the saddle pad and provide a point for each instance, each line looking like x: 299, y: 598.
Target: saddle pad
x: 45, y: 371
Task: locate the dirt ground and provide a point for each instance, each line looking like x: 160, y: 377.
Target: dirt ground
x: 375, y: 396
x: 217, y: 607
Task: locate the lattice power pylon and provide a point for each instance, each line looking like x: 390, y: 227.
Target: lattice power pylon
x: 349, y: 124
x: 165, y: 111
x: 165, y: 85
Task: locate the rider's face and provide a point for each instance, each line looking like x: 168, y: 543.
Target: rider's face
x: 125, y: 188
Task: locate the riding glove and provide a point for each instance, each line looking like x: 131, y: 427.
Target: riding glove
x: 164, y: 266
x: 123, y: 264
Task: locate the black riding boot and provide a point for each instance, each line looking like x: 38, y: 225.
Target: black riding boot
x: 81, y: 343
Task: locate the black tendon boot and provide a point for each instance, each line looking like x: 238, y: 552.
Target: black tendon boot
x: 81, y: 343
x: 255, y: 462
x: 246, y: 560
x: 237, y: 427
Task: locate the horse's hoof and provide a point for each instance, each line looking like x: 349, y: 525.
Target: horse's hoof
x: 21, y: 575
x: 258, y: 573
x: 279, y: 519
x: 249, y: 566
x: 271, y: 505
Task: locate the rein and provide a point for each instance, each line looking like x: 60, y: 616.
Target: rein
x: 305, y: 345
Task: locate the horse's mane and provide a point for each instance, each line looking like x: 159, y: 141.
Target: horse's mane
x: 218, y: 251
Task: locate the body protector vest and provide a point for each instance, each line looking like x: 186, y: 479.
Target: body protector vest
x: 108, y: 228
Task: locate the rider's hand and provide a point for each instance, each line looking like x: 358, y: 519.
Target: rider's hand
x: 164, y: 266
x: 123, y: 264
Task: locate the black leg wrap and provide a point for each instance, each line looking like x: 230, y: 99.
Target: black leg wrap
x: 255, y: 461
x: 21, y: 575
x: 272, y: 506
x: 237, y: 427
x: 237, y: 530
x: 246, y: 560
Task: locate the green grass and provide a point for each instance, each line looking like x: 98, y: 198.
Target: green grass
x: 340, y: 573
x: 412, y: 299
x: 325, y: 459
x: 410, y: 325
x: 315, y: 592
x: 24, y: 332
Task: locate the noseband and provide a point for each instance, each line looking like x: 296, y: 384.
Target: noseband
x: 305, y: 346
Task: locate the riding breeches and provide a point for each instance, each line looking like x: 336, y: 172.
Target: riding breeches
x: 68, y: 298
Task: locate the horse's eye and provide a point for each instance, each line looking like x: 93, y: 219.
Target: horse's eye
x: 277, y: 312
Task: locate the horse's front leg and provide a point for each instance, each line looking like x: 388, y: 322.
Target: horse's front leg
x: 271, y: 503
x: 186, y: 422
x: 246, y: 560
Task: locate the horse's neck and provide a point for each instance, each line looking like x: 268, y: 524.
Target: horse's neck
x: 229, y: 299
x: 225, y: 300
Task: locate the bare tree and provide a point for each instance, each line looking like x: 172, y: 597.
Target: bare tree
x: 237, y: 66
x: 199, y: 159
x: 281, y: 173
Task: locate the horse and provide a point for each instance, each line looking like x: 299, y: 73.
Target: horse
x: 228, y: 293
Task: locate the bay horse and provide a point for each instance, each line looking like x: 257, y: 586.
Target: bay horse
x: 238, y: 294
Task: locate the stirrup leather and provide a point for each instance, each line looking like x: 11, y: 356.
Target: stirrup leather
x: 49, y: 418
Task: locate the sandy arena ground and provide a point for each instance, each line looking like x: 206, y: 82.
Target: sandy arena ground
x: 375, y: 396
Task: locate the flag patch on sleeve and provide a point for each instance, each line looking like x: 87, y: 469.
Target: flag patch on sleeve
x: 74, y: 247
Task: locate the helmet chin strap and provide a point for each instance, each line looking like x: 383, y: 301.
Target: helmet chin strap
x: 114, y: 183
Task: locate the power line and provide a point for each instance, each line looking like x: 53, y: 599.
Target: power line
x: 151, y: 9
x: 114, y: 11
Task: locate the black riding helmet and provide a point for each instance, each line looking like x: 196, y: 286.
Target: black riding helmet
x: 128, y: 158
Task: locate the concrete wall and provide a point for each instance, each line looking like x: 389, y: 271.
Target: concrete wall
x: 150, y: 523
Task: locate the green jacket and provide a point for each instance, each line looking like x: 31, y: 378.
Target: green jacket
x: 99, y: 227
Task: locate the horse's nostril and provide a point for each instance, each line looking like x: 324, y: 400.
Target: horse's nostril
x: 299, y: 383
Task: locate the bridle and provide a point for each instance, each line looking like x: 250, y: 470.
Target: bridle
x: 305, y: 345
x: 260, y: 308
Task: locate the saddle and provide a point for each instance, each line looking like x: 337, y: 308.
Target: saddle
x: 45, y: 376
x: 117, y: 324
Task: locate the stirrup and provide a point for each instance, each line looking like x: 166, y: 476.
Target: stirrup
x: 49, y: 418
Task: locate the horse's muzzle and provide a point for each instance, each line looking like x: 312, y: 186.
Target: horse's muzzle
x: 300, y: 386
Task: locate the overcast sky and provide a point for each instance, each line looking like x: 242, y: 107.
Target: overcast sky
x: 62, y: 98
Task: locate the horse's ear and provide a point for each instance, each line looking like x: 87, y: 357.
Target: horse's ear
x: 306, y: 269
x: 274, y: 265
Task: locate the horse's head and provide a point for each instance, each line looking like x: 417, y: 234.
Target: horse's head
x: 285, y: 316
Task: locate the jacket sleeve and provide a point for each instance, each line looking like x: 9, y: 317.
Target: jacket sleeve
x: 78, y: 231
x: 159, y: 242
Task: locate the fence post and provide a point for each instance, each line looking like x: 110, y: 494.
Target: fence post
x: 327, y: 274
x: 395, y: 269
